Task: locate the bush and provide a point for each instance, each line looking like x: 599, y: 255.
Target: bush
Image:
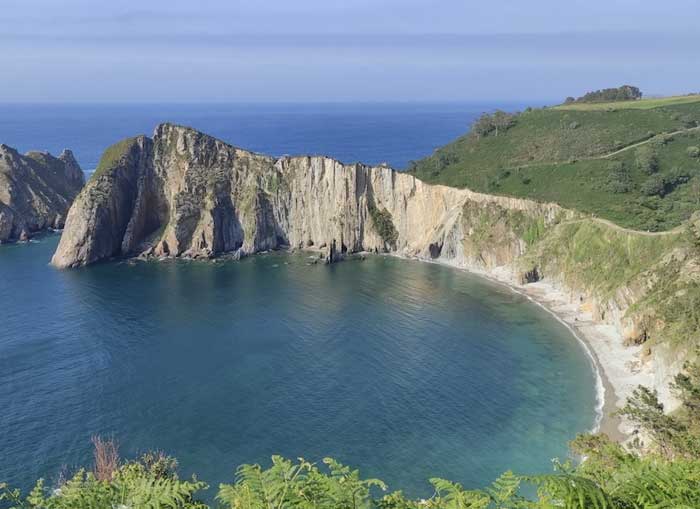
x: 384, y: 224
x: 676, y: 177
x: 693, y: 151
x: 653, y: 186
x: 619, y: 180
x: 646, y: 160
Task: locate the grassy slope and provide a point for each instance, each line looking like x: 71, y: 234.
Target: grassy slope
x: 113, y: 155
x: 552, y: 155
x: 643, y: 104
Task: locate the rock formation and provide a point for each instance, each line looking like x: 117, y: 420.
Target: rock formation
x: 183, y: 193
x: 36, y: 191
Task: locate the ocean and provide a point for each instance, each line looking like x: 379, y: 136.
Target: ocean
x: 405, y: 370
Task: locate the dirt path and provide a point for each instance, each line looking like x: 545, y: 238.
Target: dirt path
x: 644, y: 142
x: 610, y: 224
x: 609, y: 154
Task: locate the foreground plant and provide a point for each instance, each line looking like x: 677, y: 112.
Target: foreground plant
x: 147, y: 483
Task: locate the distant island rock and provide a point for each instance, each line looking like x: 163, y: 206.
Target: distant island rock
x: 36, y: 191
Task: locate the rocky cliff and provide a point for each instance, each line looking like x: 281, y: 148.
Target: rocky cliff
x: 36, y: 191
x: 185, y: 194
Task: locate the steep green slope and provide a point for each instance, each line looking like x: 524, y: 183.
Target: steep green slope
x: 637, y: 167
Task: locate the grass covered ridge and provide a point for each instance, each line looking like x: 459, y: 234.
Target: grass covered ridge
x: 588, y: 159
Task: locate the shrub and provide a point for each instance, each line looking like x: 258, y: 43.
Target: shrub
x: 619, y: 180
x: 676, y: 177
x: 646, y: 160
x: 106, y: 454
x: 384, y: 224
x: 693, y: 151
x: 653, y: 186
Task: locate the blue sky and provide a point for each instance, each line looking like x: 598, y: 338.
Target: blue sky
x: 352, y: 50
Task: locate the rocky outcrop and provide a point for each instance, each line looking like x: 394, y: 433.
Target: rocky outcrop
x: 36, y: 191
x: 185, y: 194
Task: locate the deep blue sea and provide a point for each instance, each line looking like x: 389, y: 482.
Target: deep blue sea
x: 370, y: 133
x: 406, y: 370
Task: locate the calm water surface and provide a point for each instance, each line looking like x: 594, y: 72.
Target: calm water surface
x: 403, y: 369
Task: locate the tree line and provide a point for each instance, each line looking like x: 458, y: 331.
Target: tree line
x: 623, y: 93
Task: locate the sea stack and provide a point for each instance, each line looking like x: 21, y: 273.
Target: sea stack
x: 36, y: 191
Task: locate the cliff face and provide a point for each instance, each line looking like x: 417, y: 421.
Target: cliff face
x: 36, y: 191
x: 183, y: 193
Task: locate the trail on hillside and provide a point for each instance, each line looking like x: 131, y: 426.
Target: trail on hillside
x: 644, y: 142
x: 617, y: 227
x: 607, y: 155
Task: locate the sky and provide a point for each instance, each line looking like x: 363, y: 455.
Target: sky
x: 343, y: 50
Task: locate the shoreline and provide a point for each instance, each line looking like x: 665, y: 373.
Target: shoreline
x: 616, y: 367
x: 612, y: 362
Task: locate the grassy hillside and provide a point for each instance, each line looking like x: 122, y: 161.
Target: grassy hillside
x: 632, y: 164
x: 643, y: 104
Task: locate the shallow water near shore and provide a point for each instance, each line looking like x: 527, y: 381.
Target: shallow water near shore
x: 403, y: 369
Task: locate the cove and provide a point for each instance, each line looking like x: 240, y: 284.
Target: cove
x: 403, y: 369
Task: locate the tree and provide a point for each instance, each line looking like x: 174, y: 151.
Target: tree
x: 623, y: 93
x: 496, y: 123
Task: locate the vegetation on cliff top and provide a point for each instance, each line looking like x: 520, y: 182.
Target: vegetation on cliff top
x: 664, y: 472
x: 113, y: 155
x: 634, y: 165
x: 623, y: 93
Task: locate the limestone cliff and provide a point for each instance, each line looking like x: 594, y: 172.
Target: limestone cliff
x: 36, y: 191
x: 185, y: 194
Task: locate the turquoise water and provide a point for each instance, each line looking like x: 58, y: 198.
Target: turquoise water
x: 405, y: 369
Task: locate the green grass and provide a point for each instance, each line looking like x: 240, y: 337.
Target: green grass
x: 643, y: 104
x: 113, y: 156
x: 558, y: 155
x: 598, y: 257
